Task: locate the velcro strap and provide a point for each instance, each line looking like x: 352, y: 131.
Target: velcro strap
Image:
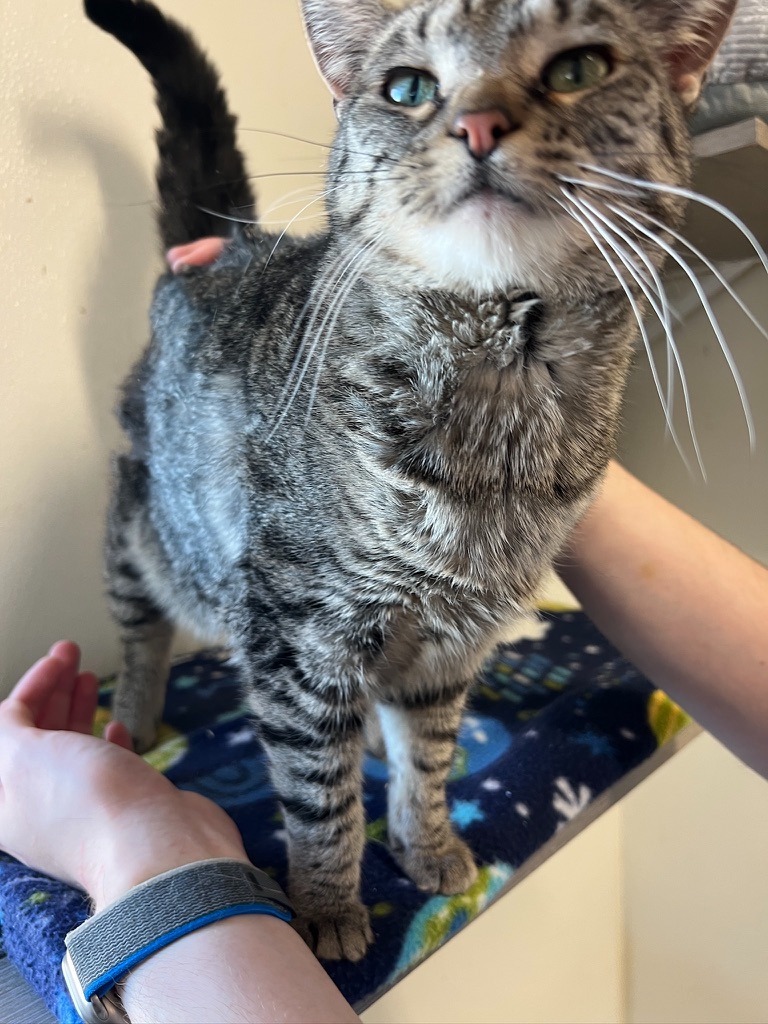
x: 157, y: 912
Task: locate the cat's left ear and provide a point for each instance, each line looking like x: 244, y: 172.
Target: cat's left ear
x: 340, y: 33
x: 691, y: 32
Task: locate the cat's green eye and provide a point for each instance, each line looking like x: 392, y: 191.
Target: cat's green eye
x: 576, y: 70
x: 410, y: 87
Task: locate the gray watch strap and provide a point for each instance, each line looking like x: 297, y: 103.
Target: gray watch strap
x: 160, y: 910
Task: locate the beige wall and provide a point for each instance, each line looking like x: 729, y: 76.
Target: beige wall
x: 79, y: 257
x: 694, y: 850
x: 734, y: 499
x: 695, y: 836
x: 550, y: 950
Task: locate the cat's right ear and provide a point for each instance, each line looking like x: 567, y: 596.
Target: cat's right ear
x: 340, y: 33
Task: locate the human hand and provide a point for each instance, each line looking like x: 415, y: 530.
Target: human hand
x: 86, y: 810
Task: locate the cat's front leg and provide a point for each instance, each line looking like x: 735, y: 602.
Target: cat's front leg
x: 312, y: 729
x: 420, y: 730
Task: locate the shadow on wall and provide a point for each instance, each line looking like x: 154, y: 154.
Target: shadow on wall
x: 126, y: 257
x: 60, y: 553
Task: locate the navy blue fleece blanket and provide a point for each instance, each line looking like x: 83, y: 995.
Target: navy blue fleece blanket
x: 552, y: 723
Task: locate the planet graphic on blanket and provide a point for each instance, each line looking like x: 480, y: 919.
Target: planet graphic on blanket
x: 236, y: 782
x: 482, y: 740
x: 665, y: 717
x: 444, y: 916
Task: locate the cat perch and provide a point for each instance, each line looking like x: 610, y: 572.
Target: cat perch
x: 559, y: 728
x: 731, y: 168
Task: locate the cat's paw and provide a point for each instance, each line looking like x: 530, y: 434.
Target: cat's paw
x: 449, y: 869
x: 142, y: 728
x: 343, y: 934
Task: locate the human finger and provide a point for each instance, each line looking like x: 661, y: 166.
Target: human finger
x: 118, y: 734
x: 84, y: 701
x: 200, y: 253
x: 68, y: 653
x: 31, y: 695
x: 55, y: 712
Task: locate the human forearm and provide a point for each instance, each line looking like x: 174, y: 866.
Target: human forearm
x: 252, y: 968
x: 686, y: 607
x: 106, y: 821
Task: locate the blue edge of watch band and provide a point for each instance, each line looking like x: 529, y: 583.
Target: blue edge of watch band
x: 107, y: 981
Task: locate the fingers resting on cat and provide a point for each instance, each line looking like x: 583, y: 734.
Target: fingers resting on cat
x: 200, y: 253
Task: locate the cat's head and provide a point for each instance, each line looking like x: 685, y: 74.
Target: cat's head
x: 460, y: 119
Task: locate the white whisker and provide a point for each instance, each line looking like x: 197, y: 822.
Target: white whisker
x: 595, y: 234
x: 688, y: 193
x: 295, y: 195
x: 600, y: 186
x: 662, y: 313
x: 711, y: 267
x: 224, y: 216
x: 327, y: 327
x: 315, y: 298
x: 290, y: 224
x: 302, y: 371
x: 279, y: 222
x: 243, y: 275
x: 707, y: 309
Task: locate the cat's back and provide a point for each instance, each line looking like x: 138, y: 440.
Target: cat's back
x: 231, y: 325
x: 226, y: 315
x: 221, y: 342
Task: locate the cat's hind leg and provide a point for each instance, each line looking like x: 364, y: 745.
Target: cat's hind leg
x: 374, y: 737
x: 145, y: 632
x: 420, y: 729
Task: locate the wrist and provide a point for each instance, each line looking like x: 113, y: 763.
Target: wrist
x: 122, y: 875
x: 141, y: 844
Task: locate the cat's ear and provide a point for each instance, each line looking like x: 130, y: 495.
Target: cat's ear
x: 691, y: 32
x: 340, y: 33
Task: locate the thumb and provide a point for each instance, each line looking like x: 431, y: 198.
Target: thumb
x: 31, y: 694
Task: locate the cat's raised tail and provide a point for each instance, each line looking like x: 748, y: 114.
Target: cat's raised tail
x: 200, y: 168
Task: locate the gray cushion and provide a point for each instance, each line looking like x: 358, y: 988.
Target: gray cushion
x: 737, y: 84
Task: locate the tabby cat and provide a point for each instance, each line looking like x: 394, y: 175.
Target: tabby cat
x: 355, y: 455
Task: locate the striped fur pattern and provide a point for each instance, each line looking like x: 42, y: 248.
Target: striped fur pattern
x: 354, y: 456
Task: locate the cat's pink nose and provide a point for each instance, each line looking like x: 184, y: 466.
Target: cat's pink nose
x: 482, y: 131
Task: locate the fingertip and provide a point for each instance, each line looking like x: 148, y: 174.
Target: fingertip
x: 33, y: 692
x: 66, y: 651
x: 117, y: 733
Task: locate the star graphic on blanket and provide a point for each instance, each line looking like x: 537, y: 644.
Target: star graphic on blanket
x: 464, y: 812
x: 238, y: 736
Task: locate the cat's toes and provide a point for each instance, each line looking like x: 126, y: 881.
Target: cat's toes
x: 344, y: 934
x: 448, y: 869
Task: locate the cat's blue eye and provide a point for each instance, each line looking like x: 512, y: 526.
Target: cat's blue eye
x: 409, y: 87
x: 577, y: 70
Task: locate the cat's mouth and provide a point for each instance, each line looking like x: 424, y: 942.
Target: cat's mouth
x: 492, y: 198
